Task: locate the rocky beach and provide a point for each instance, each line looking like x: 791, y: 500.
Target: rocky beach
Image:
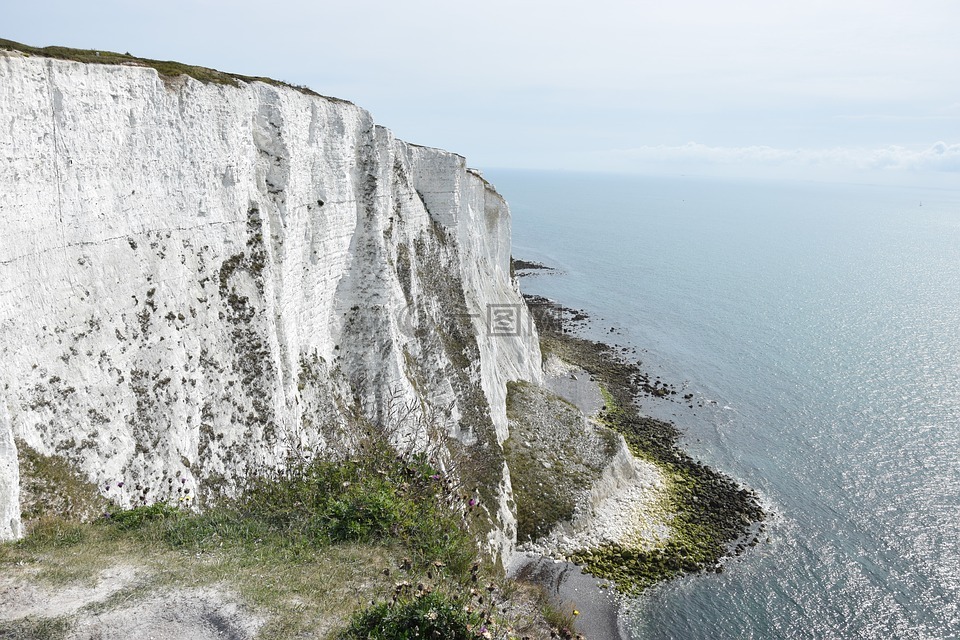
x: 655, y: 513
x: 269, y: 343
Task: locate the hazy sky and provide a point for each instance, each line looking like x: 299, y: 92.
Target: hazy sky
x: 845, y: 89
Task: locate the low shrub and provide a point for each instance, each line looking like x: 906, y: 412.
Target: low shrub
x: 428, y: 616
x: 137, y: 517
x: 377, y: 498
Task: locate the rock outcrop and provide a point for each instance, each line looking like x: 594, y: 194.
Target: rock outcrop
x: 198, y: 281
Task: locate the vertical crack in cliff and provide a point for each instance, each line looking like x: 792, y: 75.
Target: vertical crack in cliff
x: 204, y: 368
x: 56, y: 106
x: 273, y: 171
x: 368, y: 351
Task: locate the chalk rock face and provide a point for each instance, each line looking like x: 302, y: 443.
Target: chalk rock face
x: 198, y: 281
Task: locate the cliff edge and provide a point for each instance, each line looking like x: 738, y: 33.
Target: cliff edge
x: 199, y: 280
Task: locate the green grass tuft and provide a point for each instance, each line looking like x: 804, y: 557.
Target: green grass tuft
x: 34, y: 629
x: 138, y: 517
x: 166, y: 68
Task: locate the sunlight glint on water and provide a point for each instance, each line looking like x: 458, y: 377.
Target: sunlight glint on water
x: 820, y: 327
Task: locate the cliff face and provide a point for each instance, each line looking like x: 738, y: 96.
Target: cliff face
x: 198, y: 281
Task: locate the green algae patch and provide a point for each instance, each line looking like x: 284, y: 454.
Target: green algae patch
x: 692, y: 546
x: 710, y: 515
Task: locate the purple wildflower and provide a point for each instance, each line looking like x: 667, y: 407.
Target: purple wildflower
x: 472, y: 502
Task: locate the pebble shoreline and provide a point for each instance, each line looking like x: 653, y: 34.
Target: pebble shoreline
x: 626, y: 538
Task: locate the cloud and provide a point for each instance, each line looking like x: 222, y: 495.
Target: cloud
x: 940, y: 157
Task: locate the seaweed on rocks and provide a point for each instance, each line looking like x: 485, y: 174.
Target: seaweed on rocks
x: 527, y: 266
x: 712, y: 515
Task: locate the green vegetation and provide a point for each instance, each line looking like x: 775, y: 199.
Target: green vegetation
x: 50, y: 487
x: 166, y: 68
x: 709, y: 514
x: 35, y: 629
x: 138, y: 517
x: 305, y: 546
x: 427, y: 616
x: 379, y: 499
x: 561, y: 619
x: 553, y: 458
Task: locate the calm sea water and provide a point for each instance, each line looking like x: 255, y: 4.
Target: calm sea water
x: 820, y: 328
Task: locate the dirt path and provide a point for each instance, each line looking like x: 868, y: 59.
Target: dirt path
x: 120, y: 604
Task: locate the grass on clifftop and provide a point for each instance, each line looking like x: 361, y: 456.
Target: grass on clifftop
x: 167, y: 68
x: 309, y: 548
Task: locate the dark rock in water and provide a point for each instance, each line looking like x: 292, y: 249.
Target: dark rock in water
x: 710, y: 503
x: 528, y: 265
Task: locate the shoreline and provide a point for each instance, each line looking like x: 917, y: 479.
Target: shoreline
x: 569, y: 589
x: 713, y: 517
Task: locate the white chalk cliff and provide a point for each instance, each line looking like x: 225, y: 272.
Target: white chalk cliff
x: 200, y: 280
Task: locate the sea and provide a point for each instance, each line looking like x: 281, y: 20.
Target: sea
x: 818, y: 327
